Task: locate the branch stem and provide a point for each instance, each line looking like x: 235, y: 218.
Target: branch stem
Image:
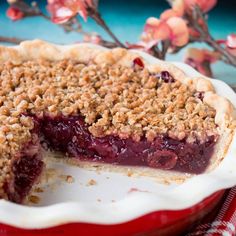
x: 205, y: 36
x: 12, y: 40
x: 95, y: 15
x: 226, y: 56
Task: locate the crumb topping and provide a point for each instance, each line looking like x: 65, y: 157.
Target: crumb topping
x: 114, y: 100
x: 34, y: 199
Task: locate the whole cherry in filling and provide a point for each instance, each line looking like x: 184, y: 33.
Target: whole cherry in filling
x: 167, y: 77
x: 138, y: 62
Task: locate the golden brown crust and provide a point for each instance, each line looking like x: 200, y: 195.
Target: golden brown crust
x: 114, y: 100
x: 84, y: 53
x: 132, y: 113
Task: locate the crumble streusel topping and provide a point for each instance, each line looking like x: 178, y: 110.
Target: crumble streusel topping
x: 129, y: 102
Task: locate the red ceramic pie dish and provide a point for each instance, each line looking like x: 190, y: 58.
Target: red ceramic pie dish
x: 98, y: 202
x: 155, y: 223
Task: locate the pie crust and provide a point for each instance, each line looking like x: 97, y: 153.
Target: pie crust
x: 224, y: 117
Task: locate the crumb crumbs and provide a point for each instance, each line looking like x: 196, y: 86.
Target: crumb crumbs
x: 91, y: 182
x: 67, y: 178
x: 99, y: 200
x: 38, y: 190
x: 51, y: 173
x: 166, y: 182
x: 113, y: 200
x: 130, y: 173
x: 34, y: 199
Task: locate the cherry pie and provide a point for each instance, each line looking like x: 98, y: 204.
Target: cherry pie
x: 104, y: 108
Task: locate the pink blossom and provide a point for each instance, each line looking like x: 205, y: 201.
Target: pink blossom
x: 173, y: 29
x: 180, y: 34
x: 168, y: 14
x: 177, y: 9
x: 204, y: 5
x: 178, y: 6
x: 156, y: 29
x: 63, y: 10
x: 231, y: 44
x: 94, y: 38
x: 200, y: 59
x: 232, y: 51
x: 11, y: 1
x: 14, y: 13
x: 231, y: 41
x: 202, y: 55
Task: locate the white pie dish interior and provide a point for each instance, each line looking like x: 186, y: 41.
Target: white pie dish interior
x: 111, y: 198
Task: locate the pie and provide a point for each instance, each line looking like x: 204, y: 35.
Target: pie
x: 104, y: 108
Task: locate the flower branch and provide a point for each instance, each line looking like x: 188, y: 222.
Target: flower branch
x: 20, y: 9
x: 95, y: 15
x: 225, y: 55
x: 205, y: 36
x: 11, y: 40
x: 184, y: 23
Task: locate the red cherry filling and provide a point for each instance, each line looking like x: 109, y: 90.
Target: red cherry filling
x: 167, y: 77
x: 26, y: 168
x: 162, y: 159
x: 138, y: 62
x: 70, y: 135
x: 200, y: 95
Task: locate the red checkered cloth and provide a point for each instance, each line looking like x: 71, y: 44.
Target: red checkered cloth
x: 225, y: 221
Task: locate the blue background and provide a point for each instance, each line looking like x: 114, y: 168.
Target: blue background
x: 126, y: 19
